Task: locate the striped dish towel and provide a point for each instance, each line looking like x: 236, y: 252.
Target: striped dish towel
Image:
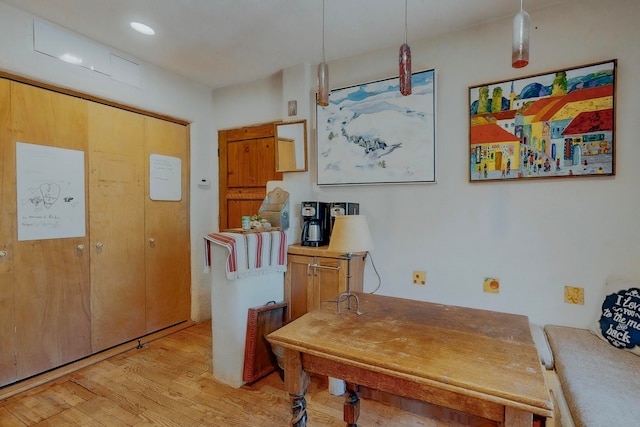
x: 251, y: 253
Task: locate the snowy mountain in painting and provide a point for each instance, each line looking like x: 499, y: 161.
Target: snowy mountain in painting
x: 372, y: 134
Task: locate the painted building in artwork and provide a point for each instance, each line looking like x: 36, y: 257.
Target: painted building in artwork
x: 545, y: 121
x: 494, y: 149
x: 589, y: 134
x: 540, y: 127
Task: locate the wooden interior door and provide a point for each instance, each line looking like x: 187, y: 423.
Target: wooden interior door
x: 51, y: 275
x: 8, y: 372
x: 167, y: 243
x: 247, y: 160
x: 116, y: 214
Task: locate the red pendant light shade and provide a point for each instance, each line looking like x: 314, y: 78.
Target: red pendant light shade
x: 405, y: 69
x: 405, y: 60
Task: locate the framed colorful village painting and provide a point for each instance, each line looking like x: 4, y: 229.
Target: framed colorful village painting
x: 559, y: 124
x: 371, y: 134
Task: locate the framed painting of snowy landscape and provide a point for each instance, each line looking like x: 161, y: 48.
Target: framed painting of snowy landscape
x: 558, y: 124
x: 371, y: 134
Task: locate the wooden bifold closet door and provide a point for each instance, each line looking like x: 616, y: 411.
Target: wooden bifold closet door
x: 62, y: 297
x: 167, y: 254
x: 116, y: 188
x: 8, y: 370
x: 51, y: 276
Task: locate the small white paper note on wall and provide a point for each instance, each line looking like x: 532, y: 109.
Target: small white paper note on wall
x: 50, y: 189
x: 165, y: 178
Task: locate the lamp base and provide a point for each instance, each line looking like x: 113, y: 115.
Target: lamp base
x: 348, y: 295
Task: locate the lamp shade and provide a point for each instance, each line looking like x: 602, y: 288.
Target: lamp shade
x: 405, y: 60
x: 323, y: 84
x: 350, y: 234
x: 405, y: 70
x: 520, y: 42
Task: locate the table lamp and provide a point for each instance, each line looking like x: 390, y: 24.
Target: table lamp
x: 350, y: 234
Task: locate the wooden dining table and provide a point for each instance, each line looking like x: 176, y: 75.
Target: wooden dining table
x: 480, y: 362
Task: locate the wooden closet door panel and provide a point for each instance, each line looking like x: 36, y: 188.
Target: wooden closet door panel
x: 8, y: 372
x: 116, y: 215
x: 167, y: 233
x: 51, y: 275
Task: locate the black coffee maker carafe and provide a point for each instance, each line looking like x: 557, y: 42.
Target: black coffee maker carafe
x: 315, y: 224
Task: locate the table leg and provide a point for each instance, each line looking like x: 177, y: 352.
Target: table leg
x: 299, y: 409
x: 296, y: 381
x: 351, y: 406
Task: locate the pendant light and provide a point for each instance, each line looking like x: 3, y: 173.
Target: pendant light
x: 520, y: 46
x: 323, y: 73
x: 405, y: 60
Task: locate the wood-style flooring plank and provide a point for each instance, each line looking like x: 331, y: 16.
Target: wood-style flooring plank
x: 7, y: 419
x: 169, y: 383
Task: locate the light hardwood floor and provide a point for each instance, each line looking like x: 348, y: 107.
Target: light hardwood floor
x: 169, y: 383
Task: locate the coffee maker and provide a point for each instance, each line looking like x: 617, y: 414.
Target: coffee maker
x: 315, y: 224
x: 341, y: 208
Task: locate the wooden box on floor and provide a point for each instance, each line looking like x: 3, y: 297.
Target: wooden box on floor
x: 259, y: 359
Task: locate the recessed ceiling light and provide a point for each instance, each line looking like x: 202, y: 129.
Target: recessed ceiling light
x: 142, y: 28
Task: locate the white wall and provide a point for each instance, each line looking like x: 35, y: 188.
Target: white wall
x: 161, y: 92
x: 536, y: 237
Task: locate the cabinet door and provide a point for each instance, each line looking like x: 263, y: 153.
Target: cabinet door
x: 8, y: 371
x: 116, y: 212
x: 311, y: 281
x: 168, y: 297
x: 326, y: 285
x: 296, y: 282
x: 52, y: 275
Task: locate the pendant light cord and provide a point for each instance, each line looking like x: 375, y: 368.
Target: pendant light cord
x: 405, y: 21
x: 323, y: 57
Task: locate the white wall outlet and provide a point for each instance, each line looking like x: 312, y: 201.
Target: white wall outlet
x: 491, y: 285
x: 574, y: 295
x: 419, y: 277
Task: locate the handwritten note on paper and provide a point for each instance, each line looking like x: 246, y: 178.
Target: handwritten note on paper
x: 50, y: 188
x: 165, y: 178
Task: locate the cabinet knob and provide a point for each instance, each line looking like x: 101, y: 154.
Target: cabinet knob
x: 80, y: 248
x: 99, y: 245
x: 3, y: 254
x: 152, y: 241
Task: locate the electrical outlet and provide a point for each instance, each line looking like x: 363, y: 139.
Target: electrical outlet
x: 491, y: 285
x: 419, y: 277
x: 574, y: 295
